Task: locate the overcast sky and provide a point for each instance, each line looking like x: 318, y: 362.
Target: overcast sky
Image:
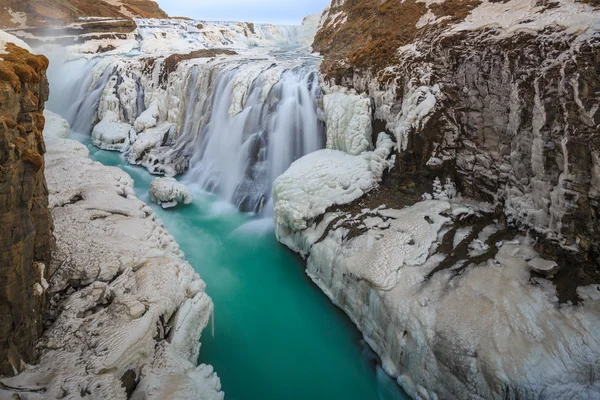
x: 271, y: 11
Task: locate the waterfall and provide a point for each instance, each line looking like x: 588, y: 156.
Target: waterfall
x: 240, y: 155
x: 230, y: 125
x: 75, y: 94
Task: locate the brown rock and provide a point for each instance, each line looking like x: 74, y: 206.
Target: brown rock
x: 26, y: 240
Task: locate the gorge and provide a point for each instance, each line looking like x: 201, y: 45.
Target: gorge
x: 435, y: 165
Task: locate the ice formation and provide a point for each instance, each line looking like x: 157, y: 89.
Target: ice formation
x: 347, y: 117
x: 469, y: 339
x: 110, y: 134
x: 234, y: 122
x: 127, y: 310
x: 325, y: 178
x: 168, y: 192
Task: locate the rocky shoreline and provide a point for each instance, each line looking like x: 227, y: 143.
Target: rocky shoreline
x: 126, y: 310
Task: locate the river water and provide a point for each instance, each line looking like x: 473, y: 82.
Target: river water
x: 276, y: 335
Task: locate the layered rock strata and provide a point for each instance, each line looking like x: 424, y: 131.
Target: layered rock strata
x: 26, y: 240
x: 22, y: 14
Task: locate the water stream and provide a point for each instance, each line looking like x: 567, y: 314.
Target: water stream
x: 276, y: 335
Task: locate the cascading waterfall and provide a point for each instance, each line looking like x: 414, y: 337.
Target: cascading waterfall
x: 233, y: 125
x: 239, y: 156
x: 243, y: 124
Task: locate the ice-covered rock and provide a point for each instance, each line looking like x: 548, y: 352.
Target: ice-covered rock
x: 126, y: 309
x: 347, y: 116
x: 545, y: 267
x: 6, y: 37
x: 325, y: 178
x: 56, y: 124
x: 168, y: 192
x: 147, y: 119
x: 110, y: 134
x: 147, y: 140
x: 479, y: 324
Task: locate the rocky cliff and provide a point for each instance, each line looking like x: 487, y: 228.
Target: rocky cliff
x: 26, y: 241
x: 23, y: 14
x: 471, y: 265
x: 500, y: 97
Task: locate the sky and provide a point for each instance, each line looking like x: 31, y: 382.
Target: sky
x: 267, y: 11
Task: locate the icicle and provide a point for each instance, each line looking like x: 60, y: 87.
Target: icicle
x: 212, y: 322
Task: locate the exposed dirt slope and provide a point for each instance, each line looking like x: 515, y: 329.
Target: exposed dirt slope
x: 33, y: 13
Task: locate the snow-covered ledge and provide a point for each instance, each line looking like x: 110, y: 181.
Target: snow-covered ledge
x: 126, y: 309
x: 449, y: 305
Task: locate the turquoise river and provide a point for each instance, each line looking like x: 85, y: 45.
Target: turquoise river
x: 276, y: 335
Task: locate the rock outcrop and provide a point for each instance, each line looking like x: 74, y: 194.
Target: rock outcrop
x: 168, y: 192
x: 496, y: 96
x: 126, y: 311
x: 472, y: 267
x: 26, y: 241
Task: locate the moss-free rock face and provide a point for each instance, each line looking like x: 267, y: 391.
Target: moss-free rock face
x: 26, y: 239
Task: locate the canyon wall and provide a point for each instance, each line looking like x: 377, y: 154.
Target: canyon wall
x: 26, y: 241
x: 500, y: 97
x: 468, y: 254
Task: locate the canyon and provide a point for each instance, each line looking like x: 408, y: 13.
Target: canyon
x: 436, y: 165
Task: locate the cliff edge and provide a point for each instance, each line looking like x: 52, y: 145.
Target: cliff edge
x: 26, y: 241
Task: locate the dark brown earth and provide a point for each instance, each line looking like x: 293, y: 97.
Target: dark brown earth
x: 44, y: 13
x: 170, y: 63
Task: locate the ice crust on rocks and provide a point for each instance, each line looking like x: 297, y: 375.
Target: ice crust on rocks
x: 488, y: 331
x: 56, y: 124
x: 147, y: 119
x: 168, y: 192
x: 110, y: 134
x: 6, y: 37
x: 123, y: 301
x: 475, y: 329
x: 347, y: 116
x: 325, y: 178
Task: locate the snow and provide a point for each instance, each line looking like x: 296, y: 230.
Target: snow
x: 241, y: 88
x: 378, y: 255
x: 545, y: 267
x: 6, y: 37
x: 325, y: 178
x: 461, y: 234
x: 347, y: 116
x: 446, y: 191
x: 147, y: 119
x: 168, y: 192
x: 109, y: 134
x: 523, y: 342
x: 133, y: 303
x: 527, y: 15
x: 18, y: 18
x: 56, y: 124
x: 418, y: 105
x: 147, y: 140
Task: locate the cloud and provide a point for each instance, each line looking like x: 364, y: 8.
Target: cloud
x: 270, y: 11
